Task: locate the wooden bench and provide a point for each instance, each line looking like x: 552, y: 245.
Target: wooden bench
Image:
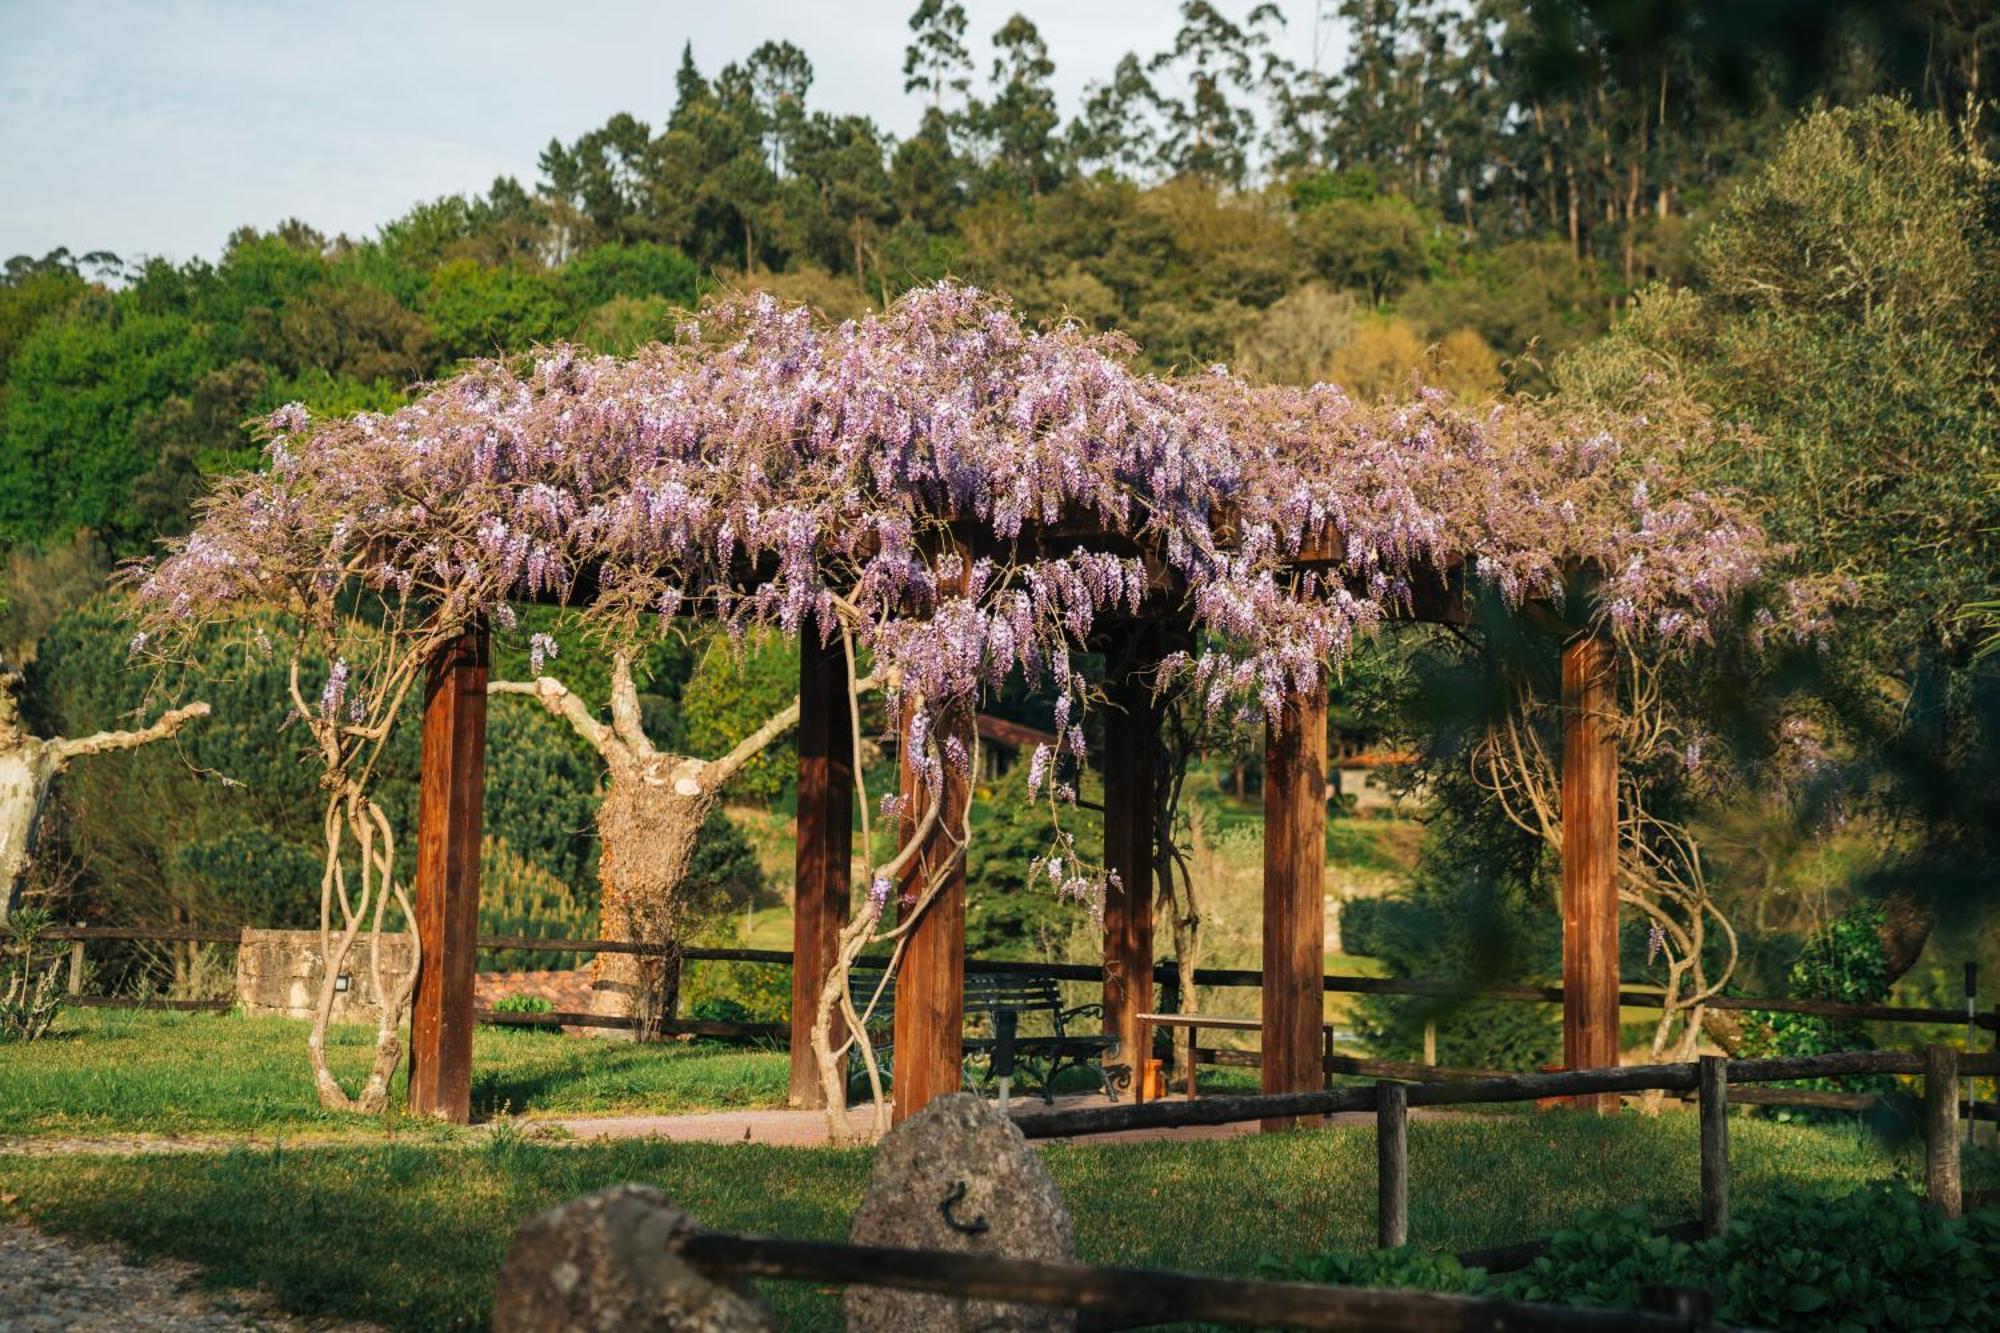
x: 1035, y: 997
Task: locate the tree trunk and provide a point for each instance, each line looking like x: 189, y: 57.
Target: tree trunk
x: 648, y: 827
x: 28, y: 769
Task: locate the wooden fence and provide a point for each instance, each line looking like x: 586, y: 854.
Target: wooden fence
x: 1164, y: 974
x: 1116, y: 1298
x: 1709, y: 1079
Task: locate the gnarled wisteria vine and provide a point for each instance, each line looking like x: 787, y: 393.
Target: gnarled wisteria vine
x: 961, y: 497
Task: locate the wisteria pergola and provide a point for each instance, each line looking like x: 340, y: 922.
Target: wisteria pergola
x: 963, y: 498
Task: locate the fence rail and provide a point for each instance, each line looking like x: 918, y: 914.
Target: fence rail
x: 1130, y: 1297
x: 1163, y: 973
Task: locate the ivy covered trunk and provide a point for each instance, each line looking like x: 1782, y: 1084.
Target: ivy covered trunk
x: 648, y: 823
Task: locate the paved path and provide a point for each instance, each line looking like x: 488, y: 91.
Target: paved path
x: 808, y: 1129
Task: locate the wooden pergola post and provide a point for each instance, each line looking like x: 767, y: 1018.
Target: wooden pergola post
x: 1131, y: 742
x: 825, y: 848
x: 449, y: 807
x: 930, y: 990
x: 1589, y: 862
x: 1294, y: 910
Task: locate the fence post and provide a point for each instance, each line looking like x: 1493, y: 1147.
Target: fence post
x: 1941, y: 1184
x: 75, y: 968
x: 1431, y: 1042
x: 1392, y: 1165
x: 1971, y: 1045
x: 1714, y: 1080
x: 1993, y: 1084
x: 1691, y: 1305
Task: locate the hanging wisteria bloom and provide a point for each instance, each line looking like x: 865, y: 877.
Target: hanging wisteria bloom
x: 965, y: 498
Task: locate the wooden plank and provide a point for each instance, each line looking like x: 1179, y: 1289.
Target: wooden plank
x: 1589, y: 859
x: 1714, y: 1087
x: 1131, y: 742
x: 1294, y: 913
x: 930, y: 992
x: 1941, y: 1179
x: 1144, y: 1296
x: 1392, y: 1165
x: 449, y: 807
x: 825, y: 848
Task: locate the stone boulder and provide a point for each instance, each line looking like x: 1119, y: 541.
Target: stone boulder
x: 601, y: 1263
x: 958, y: 1177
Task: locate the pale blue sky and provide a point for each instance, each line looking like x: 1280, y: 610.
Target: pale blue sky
x: 157, y: 128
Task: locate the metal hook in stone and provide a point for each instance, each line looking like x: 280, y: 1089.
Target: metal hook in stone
x: 977, y: 1226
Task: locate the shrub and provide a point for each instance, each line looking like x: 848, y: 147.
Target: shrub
x: 737, y: 992
x: 31, y: 990
x: 1877, y: 1258
x: 523, y: 1004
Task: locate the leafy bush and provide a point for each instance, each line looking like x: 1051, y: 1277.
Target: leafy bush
x: 719, y: 1009
x: 1841, y: 961
x: 737, y: 992
x: 523, y: 1004
x: 31, y: 990
x: 1877, y: 1258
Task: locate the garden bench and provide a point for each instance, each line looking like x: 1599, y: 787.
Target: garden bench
x: 1042, y: 1055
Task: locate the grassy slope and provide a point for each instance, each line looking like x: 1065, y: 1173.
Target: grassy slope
x: 411, y: 1235
x: 119, y: 1071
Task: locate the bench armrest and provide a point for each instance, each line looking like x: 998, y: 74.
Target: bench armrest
x: 1081, y: 1011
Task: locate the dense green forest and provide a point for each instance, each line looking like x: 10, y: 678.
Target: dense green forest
x: 1795, y: 222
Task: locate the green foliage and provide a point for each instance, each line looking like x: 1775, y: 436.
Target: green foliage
x: 517, y: 897
x: 523, y: 1004
x: 1471, y: 916
x: 31, y: 984
x: 737, y: 992
x: 731, y: 693
x: 634, y: 270
x: 477, y: 310
x: 76, y: 388
x: 222, y: 826
x: 1874, y: 1259
x: 255, y: 875
x: 1842, y: 961
x: 1795, y: 1260
x: 1842, y: 306
x: 1607, y: 1258
x: 1007, y: 915
x: 724, y: 870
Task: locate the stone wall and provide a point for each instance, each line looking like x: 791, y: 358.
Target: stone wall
x: 278, y: 972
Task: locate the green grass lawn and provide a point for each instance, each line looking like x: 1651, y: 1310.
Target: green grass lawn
x: 108, y: 1071
x: 411, y: 1234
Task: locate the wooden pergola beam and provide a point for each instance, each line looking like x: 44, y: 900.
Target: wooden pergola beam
x: 1131, y: 745
x: 825, y: 848
x: 1589, y: 860
x: 1294, y: 908
x: 450, y: 804
x: 929, y: 1048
